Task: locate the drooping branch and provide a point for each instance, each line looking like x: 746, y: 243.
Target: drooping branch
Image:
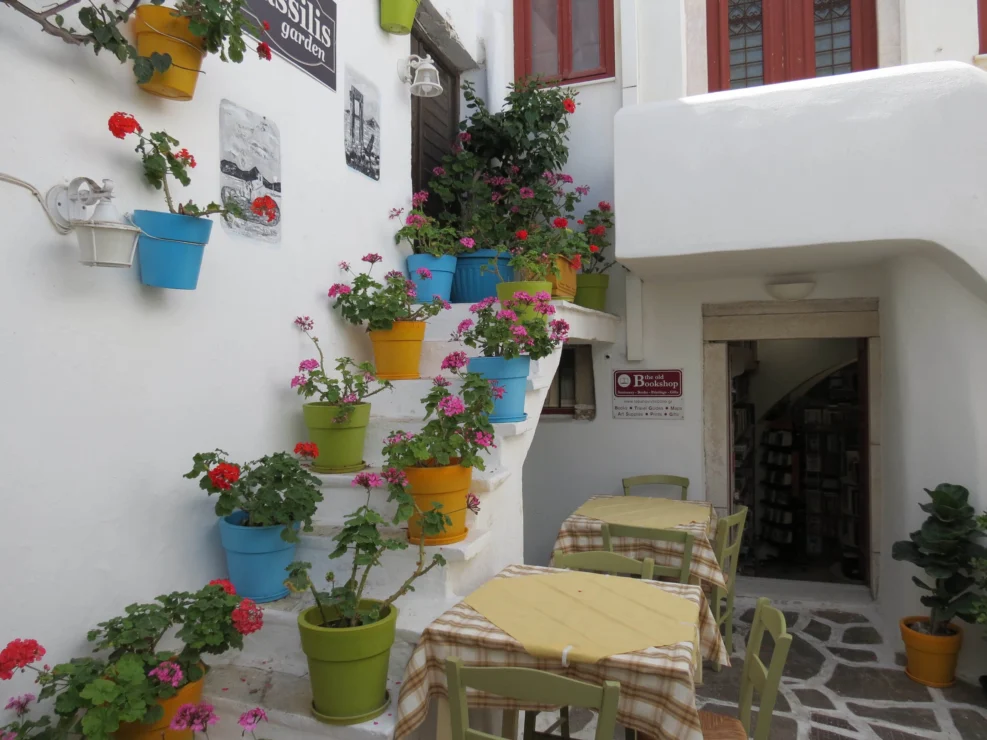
x: 41, y: 18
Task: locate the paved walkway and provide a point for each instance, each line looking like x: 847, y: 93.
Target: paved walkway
x: 844, y: 680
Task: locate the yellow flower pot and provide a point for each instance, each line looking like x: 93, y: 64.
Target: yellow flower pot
x: 563, y: 285
x: 448, y: 485
x: 159, y: 30
x: 398, y: 350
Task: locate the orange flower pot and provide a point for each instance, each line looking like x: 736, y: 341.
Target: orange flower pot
x: 448, y: 485
x: 398, y: 351
x: 563, y: 285
x: 931, y: 658
x: 190, y: 693
x: 159, y: 30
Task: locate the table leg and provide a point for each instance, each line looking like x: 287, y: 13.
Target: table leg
x: 443, y: 720
x: 508, y: 726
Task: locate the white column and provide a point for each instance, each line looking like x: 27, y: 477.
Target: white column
x: 936, y: 31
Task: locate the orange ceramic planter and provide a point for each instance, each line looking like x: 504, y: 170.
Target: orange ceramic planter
x: 159, y: 30
x: 398, y: 351
x: 563, y: 285
x: 931, y: 658
x: 448, y: 485
x: 190, y: 693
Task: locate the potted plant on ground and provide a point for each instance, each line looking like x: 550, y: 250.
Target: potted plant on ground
x: 398, y: 16
x: 979, y: 568
x: 138, y: 688
x: 171, y: 244
x: 439, y: 460
x: 395, y: 324
x: 433, y: 264
x: 261, y: 506
x: 347, y: 636
x: 944, y: 548
x: 593, y: 281
x: 337, y: 422
x: 508, y: 343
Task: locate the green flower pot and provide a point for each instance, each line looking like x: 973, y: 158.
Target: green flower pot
x: 398, y: 16
x: 506, y: 291
x: 591, y: 291
x: 347, y: 666
x: 340, y: 442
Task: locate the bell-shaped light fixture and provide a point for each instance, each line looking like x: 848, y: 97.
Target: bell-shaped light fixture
x: 105, y: 239
x: 422, y: 75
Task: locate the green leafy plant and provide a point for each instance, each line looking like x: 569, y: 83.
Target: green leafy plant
x: 274, y: 490
x: 944, y: 548
x: 221, y: 25
x: 379, y: 305
x: 424, y: 233
x: 355, y: 383
x: 499, y: 332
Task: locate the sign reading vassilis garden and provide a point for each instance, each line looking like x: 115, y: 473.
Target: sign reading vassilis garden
x: 301, y: 31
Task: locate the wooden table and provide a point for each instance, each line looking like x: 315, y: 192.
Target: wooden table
x: 582, y: 534
x: 658, y: 684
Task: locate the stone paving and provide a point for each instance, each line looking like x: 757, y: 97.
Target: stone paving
x: 845, y: 680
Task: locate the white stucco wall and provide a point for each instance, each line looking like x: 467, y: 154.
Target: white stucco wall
x: 935, y: 31
x: 109, y: 387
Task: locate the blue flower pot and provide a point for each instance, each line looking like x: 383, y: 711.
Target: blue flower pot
x: 256, y: 558
x: 440, y: 284
x: 512, y: 376
x: 476, y: 277
x: 170, y: 247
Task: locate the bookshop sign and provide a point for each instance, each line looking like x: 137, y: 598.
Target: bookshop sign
x: 647, y: 394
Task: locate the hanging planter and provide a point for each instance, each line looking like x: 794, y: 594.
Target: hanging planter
x: 340, y: 443
x: 170, y: 248
x: 398, y: 350
x: 477, y: 276
x: 441, y: 269
x: 448, y: 485
x: 512, y: 376
x: 591, y: 290
x: 564, y: 283
x: 190, y: 693
x: 398, y: 16
x: 160, y: 31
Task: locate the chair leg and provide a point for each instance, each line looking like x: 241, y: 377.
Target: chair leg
x: 564, y: 714
x: 728, y: 631
x: 629, y: 734
x: 529, y: 725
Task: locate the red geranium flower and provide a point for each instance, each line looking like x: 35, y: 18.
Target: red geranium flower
x: 560, y: 223
x: 576, y: 262
x: 570, y: 105
x: 122, y: 124
x: 224, y: 584
x: 598, y: 230
x: 247, y: 617
x: 185, y: 156
x: 307, y: 449
x: 18, y: 654
x: 266, y: 25
x: 593, y: 248
x: 265, y: 206
x: 605, y: 205
x: 264, y: 50
x: 224, y: 475
x: 521, y: 234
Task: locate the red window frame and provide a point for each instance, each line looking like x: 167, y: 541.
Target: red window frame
x: 523, y: 50
x: 982, y: 24
x: 789, y: 40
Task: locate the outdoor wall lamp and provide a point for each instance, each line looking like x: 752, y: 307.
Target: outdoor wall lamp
x: 790, y: 290
x: 105, y: 238
x: 425, y: 78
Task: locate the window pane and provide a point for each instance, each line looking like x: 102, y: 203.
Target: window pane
x: 832, y: 30
x: 544, y: 37
x: 746, y: 43
x: 586, y: 33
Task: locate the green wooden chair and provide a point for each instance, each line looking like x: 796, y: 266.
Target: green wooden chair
x: 529, y: 685
x: 729, y: 533
x: 605, y: 562
x: 756, y: 677
x: 680, y: 573
x: 657, y: 480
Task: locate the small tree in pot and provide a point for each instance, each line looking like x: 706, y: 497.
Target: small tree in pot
x: 944, y: 548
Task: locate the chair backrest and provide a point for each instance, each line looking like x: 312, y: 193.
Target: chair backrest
x: 657, y: 480
x: 678, y: 536
x: 757, y: 677
x: 729, y: 533
x: 605, y: 562
x: 528, y: 685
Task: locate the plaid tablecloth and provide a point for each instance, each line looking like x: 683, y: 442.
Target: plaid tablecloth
x: 657, y: 685
x: 581, y: 534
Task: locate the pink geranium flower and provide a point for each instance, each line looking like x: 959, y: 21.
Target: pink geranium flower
x: 251, y: 718
x: 441, y: 382
x: 169, y: 673
x: 455, y: 361
x: 307, y: 366
x: 298, y: 380
x: 424, y: 273
x: 304, y: 323
x: 339, y: 289
x: 368, y: 480
x: 452, y: 405
x: 195, y: 717
x: 467, y: 242
x: 373, y: 258
x: 19, y: 703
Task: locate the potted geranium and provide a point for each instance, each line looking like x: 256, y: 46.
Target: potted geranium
x: 171, y: 244
x: 394, y: 317
x: 398, y: 16
x: 979, y: 568
x: 138, y: 688
x: 171, y: 42
x: 944, y: 548
x: 347, y: 636
x: 433, y: 263
x: 439, y: 460
x: 337, y: 421
x: 593, y: 281
x: 261, y: 506
x: 508, y: 343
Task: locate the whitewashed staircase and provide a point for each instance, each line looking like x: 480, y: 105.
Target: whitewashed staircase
x: 271, y: 671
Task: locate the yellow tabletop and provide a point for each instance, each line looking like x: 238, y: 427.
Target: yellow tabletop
x: 642, y: 511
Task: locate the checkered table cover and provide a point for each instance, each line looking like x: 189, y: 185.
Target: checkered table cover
x: 582, y: 534
x: 657, y: 684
